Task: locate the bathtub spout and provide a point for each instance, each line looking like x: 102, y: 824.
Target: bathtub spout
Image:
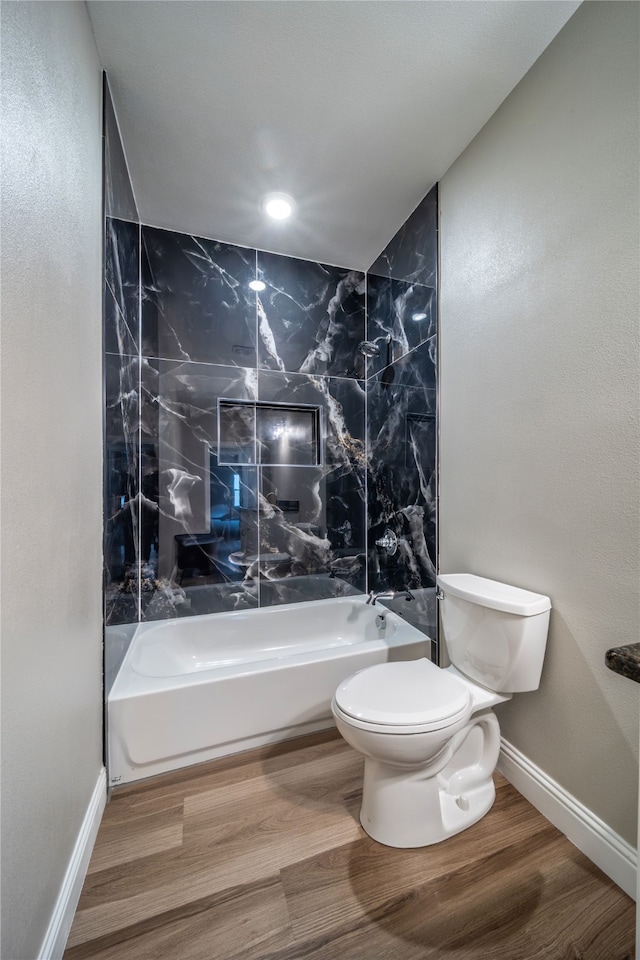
x: 389, y: 595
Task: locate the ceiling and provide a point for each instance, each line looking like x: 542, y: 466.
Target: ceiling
x: 354, y: 107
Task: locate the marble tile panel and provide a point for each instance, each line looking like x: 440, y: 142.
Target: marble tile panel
x: 121, y: 306
x: 288, y: 435
x: 412, y: 254
x: 119, y: 200
x: 304, y: 589
x: 401, y: 460
x: 196, y: 300
x: 204, y: 511
x: 400, y: 316
x: 117, y: 336
x: 121, y: 500
x: 237, y: 442
x: 222, y: 597
x: 312, y: 518
x: 310, y: 317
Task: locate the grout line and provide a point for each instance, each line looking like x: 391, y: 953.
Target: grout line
x: 257, y: 250
x: 259, y: 370
x: 366, y: 440
x: 255, y: 440
x: 139, y: 511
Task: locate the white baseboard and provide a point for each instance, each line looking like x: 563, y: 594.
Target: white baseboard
x: 613, y: 855
x: 60, y: 924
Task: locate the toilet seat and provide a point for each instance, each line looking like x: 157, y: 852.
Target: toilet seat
x: 412, y: 696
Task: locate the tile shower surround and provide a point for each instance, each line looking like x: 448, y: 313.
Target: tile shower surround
x: 194, y: 524
x: 401, y: 403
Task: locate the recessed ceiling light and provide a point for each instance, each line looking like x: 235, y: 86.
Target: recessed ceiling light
x: 257, y: 285
x: 279, y: 206
x: 419, y: 316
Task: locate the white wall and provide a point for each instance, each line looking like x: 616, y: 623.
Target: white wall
x: 51, y: 455
x: 540, y: 444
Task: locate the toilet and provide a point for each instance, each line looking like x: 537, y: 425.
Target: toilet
x: 429, y: 736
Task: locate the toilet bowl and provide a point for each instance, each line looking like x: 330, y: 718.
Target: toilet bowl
x: 429, y: 736
x: 430, y: 749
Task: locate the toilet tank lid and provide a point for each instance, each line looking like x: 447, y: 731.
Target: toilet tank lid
x: 491, y: 593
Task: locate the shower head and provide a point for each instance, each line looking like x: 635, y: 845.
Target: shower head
x: 368, y: 348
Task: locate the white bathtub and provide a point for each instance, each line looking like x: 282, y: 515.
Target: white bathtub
x: 202, y: 687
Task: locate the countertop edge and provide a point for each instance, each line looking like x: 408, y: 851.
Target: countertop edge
x: 624, y: 660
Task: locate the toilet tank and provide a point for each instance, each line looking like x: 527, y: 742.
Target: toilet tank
x: 495, y: 634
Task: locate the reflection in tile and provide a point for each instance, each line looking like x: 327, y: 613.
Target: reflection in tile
x: 312, y: 519
x: 293, y: 538
x: 237, y: 437
x: 121, y: 533
x: 421, y: 612
x: 305, y: 588
x: 203, y: 517
x: 288, y: 435
x: 400, y: 316
x: 196, y: 300
x: 116, y: 333
x: 401, y: 403
x: 412, y: 254
x: 402, y: 470
x: 311, y: 317
x: 221, y: 597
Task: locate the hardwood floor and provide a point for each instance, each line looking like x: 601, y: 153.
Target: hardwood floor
x: 260, y: 856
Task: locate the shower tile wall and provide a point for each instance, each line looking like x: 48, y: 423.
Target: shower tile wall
x: 401, y: 403
x: 218, y: 493
x: 234, y: 514
x: 121, y: 376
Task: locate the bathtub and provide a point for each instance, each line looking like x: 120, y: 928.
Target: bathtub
x: 197, y: 688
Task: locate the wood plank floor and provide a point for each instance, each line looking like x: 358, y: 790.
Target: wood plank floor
x: 260, y: 856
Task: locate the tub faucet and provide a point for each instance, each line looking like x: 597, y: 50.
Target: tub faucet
x: 389, y: 595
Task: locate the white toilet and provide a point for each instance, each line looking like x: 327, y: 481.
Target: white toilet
x: 429, y: 736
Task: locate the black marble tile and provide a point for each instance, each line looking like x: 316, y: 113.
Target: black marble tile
x: 288, y: 435
x: 121, y: 501
x: 246, y: 482
x: 312, y: 518
x: 119, y: 200
x: 400, y: 316
x: 201, y: 504
x: 196, y: 301
x: 121, y: 303
x: 401, y: 460
x: 118, y: 339
x: 412, y: 254
x: 310, y: 317
x: 237, y: 442
x: 121, y: 377
x: 303, y: 589
x: 221, y: 597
